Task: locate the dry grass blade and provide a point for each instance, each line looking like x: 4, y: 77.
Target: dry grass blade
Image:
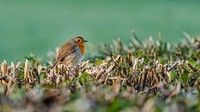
x: 4, y: 68
x: 26, y: 71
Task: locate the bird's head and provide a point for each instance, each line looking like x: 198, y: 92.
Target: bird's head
x: 80, y: 41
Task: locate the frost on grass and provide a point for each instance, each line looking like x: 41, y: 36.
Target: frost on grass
x: 141, y: 76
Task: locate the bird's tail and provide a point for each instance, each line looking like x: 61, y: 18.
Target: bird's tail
x: 54, y: 64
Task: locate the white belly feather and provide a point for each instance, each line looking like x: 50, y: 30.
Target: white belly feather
x: 74, y: 58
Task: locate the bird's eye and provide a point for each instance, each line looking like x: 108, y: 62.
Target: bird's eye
x: 78, y: 40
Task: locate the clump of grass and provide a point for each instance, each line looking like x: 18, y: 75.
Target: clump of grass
x: 141, y: 76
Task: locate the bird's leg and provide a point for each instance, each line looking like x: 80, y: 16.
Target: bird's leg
x: 71, y: 73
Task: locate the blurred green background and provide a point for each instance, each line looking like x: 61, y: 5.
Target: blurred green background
x: 39, y: 26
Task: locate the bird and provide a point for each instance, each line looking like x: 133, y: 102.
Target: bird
x: 71, y: 53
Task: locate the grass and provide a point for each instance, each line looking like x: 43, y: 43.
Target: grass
x: 141, y: 76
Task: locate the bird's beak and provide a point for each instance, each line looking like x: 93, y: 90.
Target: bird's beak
x: 85, y: 41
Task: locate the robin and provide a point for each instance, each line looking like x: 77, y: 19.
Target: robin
x: 71, y: 53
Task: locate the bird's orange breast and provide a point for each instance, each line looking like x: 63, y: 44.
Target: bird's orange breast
x: 82, y: 48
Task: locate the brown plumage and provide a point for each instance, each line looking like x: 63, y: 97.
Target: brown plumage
x: 71, y: 53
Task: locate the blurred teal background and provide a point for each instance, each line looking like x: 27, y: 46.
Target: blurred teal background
x: 39, y: 26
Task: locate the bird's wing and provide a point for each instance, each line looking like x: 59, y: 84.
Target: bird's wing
x: 65, y: 50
